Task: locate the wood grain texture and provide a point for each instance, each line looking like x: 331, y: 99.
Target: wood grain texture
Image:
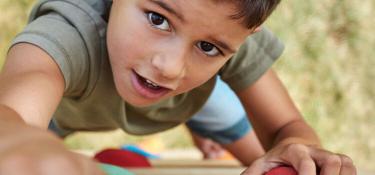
x: 160, y: 163
x: 187, y: 171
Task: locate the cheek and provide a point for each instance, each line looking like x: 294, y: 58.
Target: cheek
x: 197, y: 76
x: 122, y: 52
x: 126, y: 40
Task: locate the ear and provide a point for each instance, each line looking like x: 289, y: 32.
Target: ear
x: 257, y: 29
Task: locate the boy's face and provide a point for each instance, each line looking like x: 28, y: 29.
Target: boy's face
x: 162, y: 48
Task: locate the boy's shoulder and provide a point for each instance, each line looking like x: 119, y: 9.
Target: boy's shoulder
x: 92, y: 8
x: 73, y: 33
x: 256, y: 55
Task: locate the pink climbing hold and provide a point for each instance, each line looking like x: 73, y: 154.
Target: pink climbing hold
x: 282, y: 170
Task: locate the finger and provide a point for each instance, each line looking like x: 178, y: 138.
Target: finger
x: 256, y: 168
x: 329, y: 163
x: 88, y: 165
x: 97, y: 171
x: 16, y: 165
x: 92, y: 168
x: 62, y: 164
x: 299, y: 157
x: 306, y: 166
x: 347, y: 166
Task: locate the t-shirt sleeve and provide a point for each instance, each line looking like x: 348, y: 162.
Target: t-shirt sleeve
x: 73, y: 33
x: 253, y: 59
x: 63, y: 43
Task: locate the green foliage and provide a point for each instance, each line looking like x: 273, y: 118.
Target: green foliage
x: 13, y: 18
x: 327, y: 67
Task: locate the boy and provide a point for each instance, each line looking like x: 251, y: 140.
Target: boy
x: 150, y: 68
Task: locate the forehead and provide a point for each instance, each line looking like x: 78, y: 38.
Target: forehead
x: 204, y: 8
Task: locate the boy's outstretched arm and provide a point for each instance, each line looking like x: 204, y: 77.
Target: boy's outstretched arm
x: 31, y: 87
x: 282, y: 131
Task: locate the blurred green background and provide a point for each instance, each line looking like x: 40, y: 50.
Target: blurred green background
x: 327, y: 67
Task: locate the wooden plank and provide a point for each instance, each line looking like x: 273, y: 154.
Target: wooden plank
x: 199, y: 171
x: 170, y: 163
x: 186, y: 171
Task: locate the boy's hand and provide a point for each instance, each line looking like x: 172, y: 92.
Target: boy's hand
x: 29, y: 95
x: 35, y: 152
x: 307, y: 160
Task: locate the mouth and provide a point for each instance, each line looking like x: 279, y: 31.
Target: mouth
x: 146, y: 87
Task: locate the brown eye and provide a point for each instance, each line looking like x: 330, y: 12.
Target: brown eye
x: 208, y: 48
x: 158, y: 21
x: 205, y: 46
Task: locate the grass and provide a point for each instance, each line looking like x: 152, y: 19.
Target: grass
x: 327, y: 67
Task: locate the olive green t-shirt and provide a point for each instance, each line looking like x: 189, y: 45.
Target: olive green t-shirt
x: 73, y: 33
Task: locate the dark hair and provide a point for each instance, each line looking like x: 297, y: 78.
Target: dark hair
x: 252, y: 12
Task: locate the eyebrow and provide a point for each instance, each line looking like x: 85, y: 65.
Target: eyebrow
x: 169, y: 9
x: 223, y: 45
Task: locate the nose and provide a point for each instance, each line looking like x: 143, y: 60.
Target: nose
x: 170, y: 64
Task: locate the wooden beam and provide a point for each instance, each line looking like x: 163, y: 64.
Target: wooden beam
x: 169, y: 163
x: 187, y: 171
x: 200, y: 171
